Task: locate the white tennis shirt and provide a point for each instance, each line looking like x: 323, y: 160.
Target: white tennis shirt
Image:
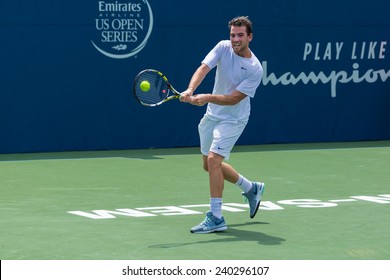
x: 233, y: 73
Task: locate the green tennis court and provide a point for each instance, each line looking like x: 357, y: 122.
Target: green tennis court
x: 322, y: 201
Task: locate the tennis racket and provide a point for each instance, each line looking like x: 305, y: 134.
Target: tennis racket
x: 151, y: 88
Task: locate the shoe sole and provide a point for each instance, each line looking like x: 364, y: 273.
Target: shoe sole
x: 211, y: 230
x: 258, y: 204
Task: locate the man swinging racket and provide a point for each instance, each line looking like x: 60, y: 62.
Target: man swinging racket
x: 238, y: 75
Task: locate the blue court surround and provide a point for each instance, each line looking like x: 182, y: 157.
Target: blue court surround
x: 326, y: 71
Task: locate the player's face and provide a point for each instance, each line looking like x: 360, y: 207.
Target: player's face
x: 240, y: 40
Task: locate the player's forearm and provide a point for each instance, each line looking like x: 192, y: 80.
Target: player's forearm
x: 198, y: 77
x: 225, y: 100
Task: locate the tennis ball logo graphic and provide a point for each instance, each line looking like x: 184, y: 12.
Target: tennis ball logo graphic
x: 145, y: 86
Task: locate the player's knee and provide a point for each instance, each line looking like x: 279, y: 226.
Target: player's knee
x: 214, y: 161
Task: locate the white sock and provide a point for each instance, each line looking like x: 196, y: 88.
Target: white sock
x: 216, y: 206
x: 244, y: 184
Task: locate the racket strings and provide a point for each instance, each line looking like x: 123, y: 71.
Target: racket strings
x: 158, y: 88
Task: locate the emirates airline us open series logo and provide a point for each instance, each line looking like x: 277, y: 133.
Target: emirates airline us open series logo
x: 122, y: 27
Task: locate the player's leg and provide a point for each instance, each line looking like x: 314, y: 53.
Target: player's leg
x: 225, y: 135
x: 216, y: 175
x: 214, y: 221
x: 229, y: 173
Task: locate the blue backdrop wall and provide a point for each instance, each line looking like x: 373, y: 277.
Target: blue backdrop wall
x: 67, y: 69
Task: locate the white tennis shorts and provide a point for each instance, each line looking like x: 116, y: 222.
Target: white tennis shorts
x: 219, y: 136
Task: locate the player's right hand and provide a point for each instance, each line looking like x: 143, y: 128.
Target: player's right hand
x: 186, y: 95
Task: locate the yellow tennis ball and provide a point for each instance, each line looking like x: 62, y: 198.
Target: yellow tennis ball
x: 145, y: 86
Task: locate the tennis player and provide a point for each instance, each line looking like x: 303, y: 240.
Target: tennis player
x: 238, y: 75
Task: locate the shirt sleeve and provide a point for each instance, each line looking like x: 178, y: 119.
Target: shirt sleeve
x: 250, y: 84
x: 212, y: 58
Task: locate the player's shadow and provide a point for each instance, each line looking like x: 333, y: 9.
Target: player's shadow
x: 233, y: 233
